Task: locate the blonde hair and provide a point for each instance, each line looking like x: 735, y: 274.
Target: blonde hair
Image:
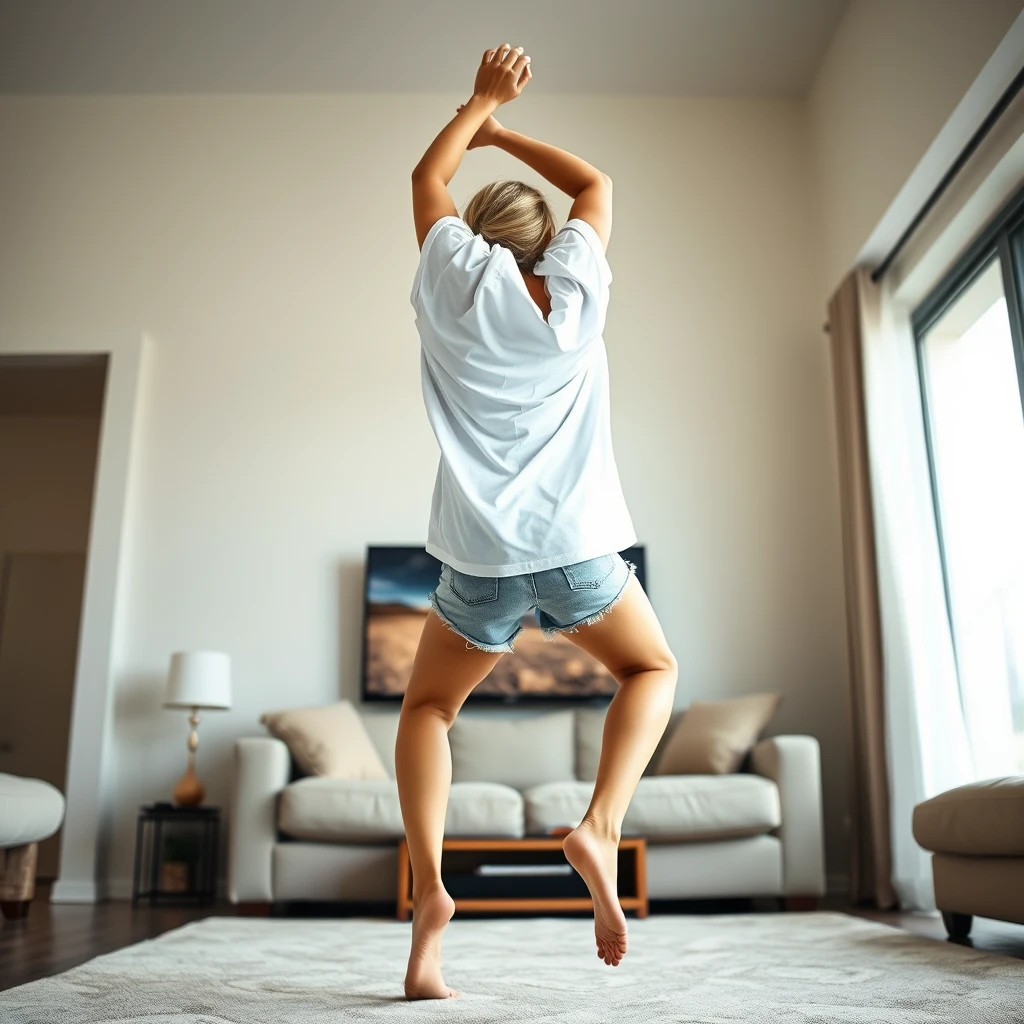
x: 515, y: 215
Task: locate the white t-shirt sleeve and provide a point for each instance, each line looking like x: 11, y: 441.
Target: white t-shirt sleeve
x: 578, y: 276
x: 444, y: 240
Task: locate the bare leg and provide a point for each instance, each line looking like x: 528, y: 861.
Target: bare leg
x: 443, y: 675
x: 629, y: 642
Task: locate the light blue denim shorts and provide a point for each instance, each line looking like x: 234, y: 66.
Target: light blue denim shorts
x: 488, y: 611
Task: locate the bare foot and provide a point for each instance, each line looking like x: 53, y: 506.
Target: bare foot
x: 596, y: 858
x: 429, y: 916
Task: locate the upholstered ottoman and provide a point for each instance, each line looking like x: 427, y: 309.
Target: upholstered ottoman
x: 30, y: 810
x: 976, y: 834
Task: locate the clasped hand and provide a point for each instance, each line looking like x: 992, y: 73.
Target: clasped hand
x: 501, y: 77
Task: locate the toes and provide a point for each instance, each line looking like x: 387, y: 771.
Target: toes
x: 611, y: 949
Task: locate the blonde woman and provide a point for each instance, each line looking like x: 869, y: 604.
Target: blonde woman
x: 527, y: 509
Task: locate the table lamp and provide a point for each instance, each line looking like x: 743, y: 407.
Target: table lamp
x: 197, y: 679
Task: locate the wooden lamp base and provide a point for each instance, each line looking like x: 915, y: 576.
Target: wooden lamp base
x: 189, y: 792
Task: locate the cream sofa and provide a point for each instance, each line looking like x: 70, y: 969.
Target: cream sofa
x: 757, y: 832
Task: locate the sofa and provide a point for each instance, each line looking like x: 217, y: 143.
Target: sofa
x: 755, y: 832
x: 976, y: 836
x: 30, y: 811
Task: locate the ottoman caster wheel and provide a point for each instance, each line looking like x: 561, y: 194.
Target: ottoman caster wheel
x: 958, y: 925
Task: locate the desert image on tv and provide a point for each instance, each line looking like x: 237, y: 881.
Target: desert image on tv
x: 398, y: 584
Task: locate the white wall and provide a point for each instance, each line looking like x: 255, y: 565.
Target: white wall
x: 894, y: 73
x: 266, y: 244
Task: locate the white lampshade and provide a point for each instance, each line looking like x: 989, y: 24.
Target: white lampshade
x: 199, y: 679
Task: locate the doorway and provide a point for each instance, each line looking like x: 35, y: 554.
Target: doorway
x: 50, y: 419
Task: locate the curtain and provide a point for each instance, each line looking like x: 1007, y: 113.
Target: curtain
x: 870, y: 861
x: 909, y: 740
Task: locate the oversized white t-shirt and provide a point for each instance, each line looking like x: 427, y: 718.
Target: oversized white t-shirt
x: 519, y: 404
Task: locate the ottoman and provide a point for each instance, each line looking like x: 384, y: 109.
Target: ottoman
x: 30, y: 810
x: 976, y: 834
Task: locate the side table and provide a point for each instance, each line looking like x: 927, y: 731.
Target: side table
x: 187, y: 837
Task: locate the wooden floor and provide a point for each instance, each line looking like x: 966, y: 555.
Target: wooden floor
x: 56, y: 937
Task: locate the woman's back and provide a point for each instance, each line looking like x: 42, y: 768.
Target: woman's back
x: 518, y: 402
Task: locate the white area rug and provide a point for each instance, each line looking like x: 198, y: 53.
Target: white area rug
x: 818, y: 967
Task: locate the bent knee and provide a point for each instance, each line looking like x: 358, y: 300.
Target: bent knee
x: 430, y: 705
x: 661, y: 660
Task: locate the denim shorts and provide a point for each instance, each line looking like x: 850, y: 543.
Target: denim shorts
x: 488, y: 611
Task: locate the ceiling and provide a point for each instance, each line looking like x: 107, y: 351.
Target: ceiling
x: 769, y: 48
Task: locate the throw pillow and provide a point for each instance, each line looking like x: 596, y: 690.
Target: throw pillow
x: 713, y: 737
x: 329, y: 740
x: 517, y: 752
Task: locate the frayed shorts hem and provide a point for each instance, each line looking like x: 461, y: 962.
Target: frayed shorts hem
x: 550, y: 632
x: 505, y: 648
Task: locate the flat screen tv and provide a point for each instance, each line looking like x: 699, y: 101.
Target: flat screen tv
x: 398, y: 580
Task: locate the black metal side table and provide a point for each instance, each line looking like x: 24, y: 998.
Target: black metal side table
x: 176, y: 847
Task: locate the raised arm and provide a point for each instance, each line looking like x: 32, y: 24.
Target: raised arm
x: 591, y: 189
x: 502, y: 76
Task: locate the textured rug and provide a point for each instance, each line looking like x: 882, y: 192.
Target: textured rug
x: 818, y: 967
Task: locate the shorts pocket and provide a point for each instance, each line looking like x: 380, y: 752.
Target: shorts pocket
x: 589, y: 575
x: 472, y: 589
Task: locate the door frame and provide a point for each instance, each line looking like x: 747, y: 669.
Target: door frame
x: 90, y: 784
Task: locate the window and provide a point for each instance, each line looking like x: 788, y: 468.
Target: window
x: 972, y: 380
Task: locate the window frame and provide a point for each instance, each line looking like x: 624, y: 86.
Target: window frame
x: 1003, y: 239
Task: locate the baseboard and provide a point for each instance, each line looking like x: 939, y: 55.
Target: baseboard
x: 66, y: 890
x: 121, y: 889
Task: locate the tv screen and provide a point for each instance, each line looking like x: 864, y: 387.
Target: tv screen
x: 398, y: 581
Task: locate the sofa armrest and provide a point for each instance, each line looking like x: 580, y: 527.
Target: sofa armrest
x: 793, y: 763
x: 261, y: 771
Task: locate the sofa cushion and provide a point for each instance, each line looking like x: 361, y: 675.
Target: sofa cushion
x: 367, y: 810
x: 518, y: 752
x: 382, y: 728
x: 589, y: 735
x: 30, y: 810
x: 668, y: 807
x: 982, y: 819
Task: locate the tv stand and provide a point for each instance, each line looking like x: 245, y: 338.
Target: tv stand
x: 523, y: 892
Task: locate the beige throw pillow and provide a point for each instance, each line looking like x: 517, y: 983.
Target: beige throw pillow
x: 516, y: 752
x: 331, y: 741
x: 713, y: 737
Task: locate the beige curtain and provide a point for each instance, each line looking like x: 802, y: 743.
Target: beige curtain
x: 871, y: 848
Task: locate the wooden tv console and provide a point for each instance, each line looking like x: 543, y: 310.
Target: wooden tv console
x: 460, y: 856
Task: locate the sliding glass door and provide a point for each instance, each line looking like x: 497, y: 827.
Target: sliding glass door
x: 970, y: 357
